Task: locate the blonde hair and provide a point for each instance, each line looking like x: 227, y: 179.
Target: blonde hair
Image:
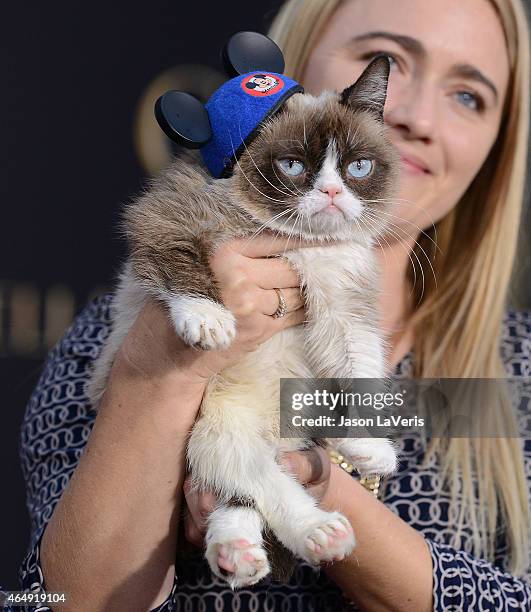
x: 458, y: 323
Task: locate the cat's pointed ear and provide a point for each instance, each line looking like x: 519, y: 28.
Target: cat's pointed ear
x: 249, y: 51
x: 370, y: 90
x: 183, y: 119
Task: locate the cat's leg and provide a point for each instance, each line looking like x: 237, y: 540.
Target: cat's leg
x: 234, y: 545
x: 293, y: 515
x: 177, y: 272
x: 201, y: 322
x: 343, y: 339
x: 364, y: 358
x: 364, y: 355
x: 250, y: 470
x: 368, y: 455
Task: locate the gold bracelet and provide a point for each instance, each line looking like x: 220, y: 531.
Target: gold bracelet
x: 371, y: 483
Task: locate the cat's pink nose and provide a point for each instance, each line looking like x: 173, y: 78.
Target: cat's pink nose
x: 331, y: 190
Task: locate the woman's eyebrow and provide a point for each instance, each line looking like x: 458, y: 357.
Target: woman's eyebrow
x: 415, y: 47
x: 412, y: 45
x: 470, y: 72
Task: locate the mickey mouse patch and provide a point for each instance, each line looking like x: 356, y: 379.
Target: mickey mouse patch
x: 261, y: 84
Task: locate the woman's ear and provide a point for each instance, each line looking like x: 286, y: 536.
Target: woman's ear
x: 183, y: 119
x: 370, y: 90
x: 250, y: 51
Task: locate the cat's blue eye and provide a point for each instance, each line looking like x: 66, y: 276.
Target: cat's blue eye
x: 360, y: 168
x: 292, y: 167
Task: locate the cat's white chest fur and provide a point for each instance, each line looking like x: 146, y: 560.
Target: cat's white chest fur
x: 336, y: 341
x: 234, y: 445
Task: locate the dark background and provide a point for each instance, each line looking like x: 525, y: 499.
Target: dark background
x: 76, y: 74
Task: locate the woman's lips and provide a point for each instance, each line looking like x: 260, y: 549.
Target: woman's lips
x: 414, y: 165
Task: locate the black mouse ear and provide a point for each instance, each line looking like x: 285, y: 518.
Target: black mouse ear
x: 183, y: 119
x: 250, y: 51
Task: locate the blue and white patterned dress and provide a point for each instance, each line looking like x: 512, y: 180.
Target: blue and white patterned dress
x: 57, y: 424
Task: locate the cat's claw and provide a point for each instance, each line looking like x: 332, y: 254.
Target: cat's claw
x: 203, y: 323
x: 329, y: 540
x: 238, y: 562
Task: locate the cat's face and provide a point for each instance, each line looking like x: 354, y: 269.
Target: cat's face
x: 322, y: 167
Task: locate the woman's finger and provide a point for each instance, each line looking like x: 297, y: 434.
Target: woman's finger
x: 269, y: 300
x: 274, y: 272
x: 289, y: 320
x: 311, y: 466
x: 200, y: 503
x: 191, y: 531
x: 266, y: 244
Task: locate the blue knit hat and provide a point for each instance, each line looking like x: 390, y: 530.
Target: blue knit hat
x: 234, y: 113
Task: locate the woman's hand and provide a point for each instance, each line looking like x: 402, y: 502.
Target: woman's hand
x: 247, y: 274
x: 312, y: 468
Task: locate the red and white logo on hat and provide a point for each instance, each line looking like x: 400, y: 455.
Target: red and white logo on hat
x: 262, y: 84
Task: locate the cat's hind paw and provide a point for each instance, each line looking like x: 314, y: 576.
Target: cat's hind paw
x: 202, y: 323
x: 238, y: 562
x: 330, y: 539
x: 371, y: 455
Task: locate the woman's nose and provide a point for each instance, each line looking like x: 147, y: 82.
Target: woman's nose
x: 412, y: 111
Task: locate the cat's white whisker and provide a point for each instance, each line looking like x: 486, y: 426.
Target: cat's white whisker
x: 279, y: 179
x: 388, y: 214
x: 353, y: 140
x: 281, y: 229
x: 409, y: 203
x: 292, y: 140
x: 366, y: 220
x: 390, y: 224
x: 259, y: 171
x: 412, y: 252
x: 301, y: 193
x: 301, y: 235
x: 358, y: 220
x: 266, y: 225
x: 253, y: 185
x: 361, y: 221
x: 368, y: 216
x: 421, y: 231
x: 310, y: 224
x: 290, y: 233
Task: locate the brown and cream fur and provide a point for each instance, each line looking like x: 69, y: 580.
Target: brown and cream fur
x: 173, y: 229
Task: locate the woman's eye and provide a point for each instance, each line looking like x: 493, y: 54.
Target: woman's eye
x: 470, y: 100
x: 360, y: 168
x: 372, y: 54
x: 292, y: 167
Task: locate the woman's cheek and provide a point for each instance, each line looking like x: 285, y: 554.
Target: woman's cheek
x: 468, y: 149
x: 464, y: 153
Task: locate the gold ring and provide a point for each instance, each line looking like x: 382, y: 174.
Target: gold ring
x: 282, y: 307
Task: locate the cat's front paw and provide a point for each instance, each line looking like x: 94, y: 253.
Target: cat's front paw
x: 238, y: 561
x: 370, y: 455
x: 202, y: 323
x: 329, y: 538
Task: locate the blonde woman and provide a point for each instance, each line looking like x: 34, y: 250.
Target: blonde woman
x: 450, y: 531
